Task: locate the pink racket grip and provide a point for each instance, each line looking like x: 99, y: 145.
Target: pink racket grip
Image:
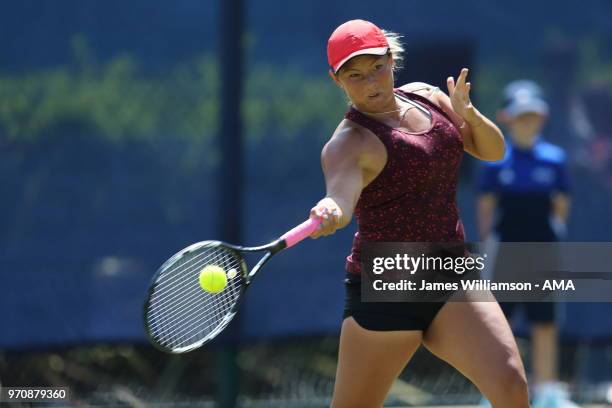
x: 300, y: 232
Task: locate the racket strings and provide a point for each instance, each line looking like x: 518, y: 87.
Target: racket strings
x: 180, y: 313
x: 171, y: 285
x: 187, y: 311
x: 190, y: 298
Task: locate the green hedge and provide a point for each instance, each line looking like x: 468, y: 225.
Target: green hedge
x: 119, y: 101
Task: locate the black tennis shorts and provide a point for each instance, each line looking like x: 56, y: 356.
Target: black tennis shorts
x: 386, y: 316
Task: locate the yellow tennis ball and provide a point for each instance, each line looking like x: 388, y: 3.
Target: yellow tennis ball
x: 213, y: 279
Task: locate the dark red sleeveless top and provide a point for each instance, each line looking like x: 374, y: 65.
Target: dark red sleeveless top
x: 413, y: 199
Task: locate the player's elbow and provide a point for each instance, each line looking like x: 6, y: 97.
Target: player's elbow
x: 491, y: 154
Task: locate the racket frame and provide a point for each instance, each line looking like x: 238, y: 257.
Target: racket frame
x: 271, y: 249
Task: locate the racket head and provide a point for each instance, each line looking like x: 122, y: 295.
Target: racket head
x: 179, y: 316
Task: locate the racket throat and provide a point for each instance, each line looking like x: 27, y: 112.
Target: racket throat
x: 277, y: 246
x: 258, y: 266
x: 272, y: 248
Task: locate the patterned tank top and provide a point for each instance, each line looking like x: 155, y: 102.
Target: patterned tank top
x: 413, y: 199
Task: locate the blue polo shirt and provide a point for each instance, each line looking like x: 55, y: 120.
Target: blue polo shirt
x: 524, y: 182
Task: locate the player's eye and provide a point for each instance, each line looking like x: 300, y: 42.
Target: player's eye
x: 354, y: 76
x: 378, y: 67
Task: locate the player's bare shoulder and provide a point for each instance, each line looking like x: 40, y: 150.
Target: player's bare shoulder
x: 351, y: 137
x: 351, y: 140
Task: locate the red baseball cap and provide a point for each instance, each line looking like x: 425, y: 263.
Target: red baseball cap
x: 355, y: 37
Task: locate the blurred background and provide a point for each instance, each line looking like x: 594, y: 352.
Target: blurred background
x: 129, y: 130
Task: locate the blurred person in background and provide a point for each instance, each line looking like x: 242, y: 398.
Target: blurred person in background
x: 525, y: 198
x: 393, y: 162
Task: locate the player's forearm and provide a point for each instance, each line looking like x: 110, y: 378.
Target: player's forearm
x: 488, y: 138
x: 344, y: 189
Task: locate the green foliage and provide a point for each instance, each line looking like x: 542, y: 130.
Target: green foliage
x: 118, y: 101
x: 286, y: 101
x: 596, y: 67
x: 490, y: 80
x: 593, y: 67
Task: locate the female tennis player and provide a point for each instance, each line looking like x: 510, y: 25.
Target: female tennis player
x: 393, y: 162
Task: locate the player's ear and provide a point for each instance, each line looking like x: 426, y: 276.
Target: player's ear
x: 334, y: 77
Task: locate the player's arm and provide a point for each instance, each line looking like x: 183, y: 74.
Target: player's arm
x: 342, y: 160
x: 485, y: 214
x: 481, y: 137
x: 435, y: 95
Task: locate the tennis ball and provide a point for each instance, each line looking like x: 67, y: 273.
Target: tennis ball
x: 213, y: 279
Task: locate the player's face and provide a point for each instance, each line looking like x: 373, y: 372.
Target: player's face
x: 368, y: 82
x: 527, y: 126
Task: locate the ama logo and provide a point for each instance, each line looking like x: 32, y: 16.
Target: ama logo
x: 553, y: 284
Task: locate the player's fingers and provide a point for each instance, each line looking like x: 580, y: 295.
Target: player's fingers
x: 322, y: 211
x: 314, y: 214
x: 462, y: 83
x: 318, y: 211
x: 462, y: 77
x: 336, y: 216
x: 317, y: 232
x: 330, y: 223
x: 450, y: 84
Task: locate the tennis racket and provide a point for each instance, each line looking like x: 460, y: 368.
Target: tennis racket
x: 179, y: 316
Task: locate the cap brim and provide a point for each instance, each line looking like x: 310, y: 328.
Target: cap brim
x: 516, y: 109
x: 370, y: 51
